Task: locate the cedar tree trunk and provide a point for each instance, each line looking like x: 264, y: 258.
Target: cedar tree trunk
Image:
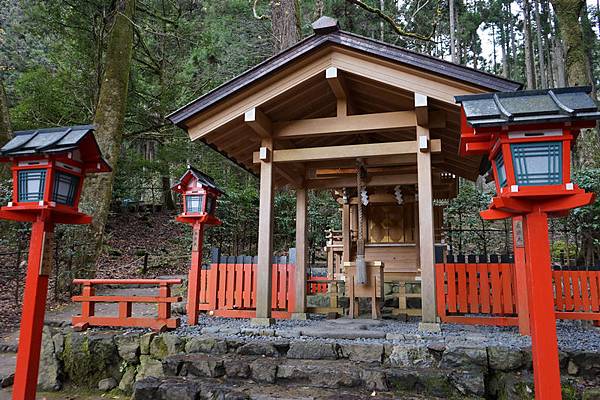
x: 109, y: 118
x: 285, y: 22
x: 568, y: 13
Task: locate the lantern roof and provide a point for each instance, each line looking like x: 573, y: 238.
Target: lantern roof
x: 529, y: 107
x: 200, y: 176
x: 56, y: 141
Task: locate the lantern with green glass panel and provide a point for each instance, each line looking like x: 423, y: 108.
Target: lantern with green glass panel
x: 48, y: 169
x: 527, y: 137
x: 199, y: 197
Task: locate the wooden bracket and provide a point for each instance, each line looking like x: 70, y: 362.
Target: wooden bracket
x: 259, y: 122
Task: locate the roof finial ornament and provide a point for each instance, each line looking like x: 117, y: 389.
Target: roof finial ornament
x: 325, y: 25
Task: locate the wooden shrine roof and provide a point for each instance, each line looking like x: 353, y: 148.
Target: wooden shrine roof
x: 379, y: 78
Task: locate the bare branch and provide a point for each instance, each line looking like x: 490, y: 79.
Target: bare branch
x: 397, y: 28
x: 255, y: 13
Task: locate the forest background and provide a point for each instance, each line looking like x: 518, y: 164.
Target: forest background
x: 125, y: 64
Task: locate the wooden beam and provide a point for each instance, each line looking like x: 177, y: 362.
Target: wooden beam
x: 339, y: 88
x: 259, y: 122
x: 299, y: 311
x: 346, y: 124
x: 336, y: 83
x: 349, y: 151
x: 377, y: 180
x: 421, y: 110
x: 265, y: 242
x: 295, y: 179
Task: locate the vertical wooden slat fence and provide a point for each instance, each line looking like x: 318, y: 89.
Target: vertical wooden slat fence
x: 482, y: 294
x: 486, y: 293
x: 228, y: 287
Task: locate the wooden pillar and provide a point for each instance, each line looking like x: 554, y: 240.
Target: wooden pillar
x: 265, y: 237
x: 522, y: 285
x: 301, y: 253
x: 426, y: 231
x: 346, y: 234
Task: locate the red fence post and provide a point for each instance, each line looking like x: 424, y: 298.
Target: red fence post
x: 32, y: 319
x: 193, y: 302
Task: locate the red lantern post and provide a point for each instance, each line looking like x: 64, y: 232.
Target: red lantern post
x: 48, y: 169
x: 200, y: 194
x: 527, y: 137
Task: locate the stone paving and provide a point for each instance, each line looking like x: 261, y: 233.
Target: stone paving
x: 395, y: 343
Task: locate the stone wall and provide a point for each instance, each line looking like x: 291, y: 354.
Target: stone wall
x: 140, y: 362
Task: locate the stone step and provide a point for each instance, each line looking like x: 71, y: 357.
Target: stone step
x: 182, y: 388
x: 318, y: 374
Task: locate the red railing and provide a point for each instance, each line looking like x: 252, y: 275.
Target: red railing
x: 485, y: 294
x: 228, y: 288
x: 89, y: 299
x: 315, y: 287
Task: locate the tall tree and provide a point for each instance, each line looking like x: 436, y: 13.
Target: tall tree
x: 529, y: 64
x: 568, y: 13
x: 110, y: 115
x: 541, y: 56
x: 5, y: 128
x: 453, y: 36
x: 286, y: 23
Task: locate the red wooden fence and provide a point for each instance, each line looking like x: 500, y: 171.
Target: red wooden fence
x: 485, y: 294
x: 89, y: 299
x: 228, y: 287
x: 577, y: 294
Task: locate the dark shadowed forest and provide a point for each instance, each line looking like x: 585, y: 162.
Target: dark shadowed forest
x: 126, y: 64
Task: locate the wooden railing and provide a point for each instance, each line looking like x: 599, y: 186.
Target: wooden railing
x: 485, y: 294
x: 89, y: 299
x: 228, y: 287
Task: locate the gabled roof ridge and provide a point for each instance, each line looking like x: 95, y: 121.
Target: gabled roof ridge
x: 429, y: 56
x: 341, y: 38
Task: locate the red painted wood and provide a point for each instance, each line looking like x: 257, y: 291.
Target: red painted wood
x: 441, y: 289
x: 32, y: 318
x: 473, y: 288
x: 451, y: 271
x: 585, y: 292
x: 235, y: 289
x: 496, y: 289
x: 88, y: 299
x: 462, y: 288
x: 484, y: 287
x: 126, y: 281
x: 239, y: 284
x: 229, y: 286
x: 594, y: 290
x: 544, y: 344
x: 507, y: 293
x: 247, y: 288
x: 577, y: 301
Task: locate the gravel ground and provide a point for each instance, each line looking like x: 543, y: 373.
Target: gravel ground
x: 572, y: 335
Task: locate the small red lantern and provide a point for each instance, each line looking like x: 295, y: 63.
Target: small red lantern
x: 200, y: 194
x: 48, y: 169
x: 527, y: 137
